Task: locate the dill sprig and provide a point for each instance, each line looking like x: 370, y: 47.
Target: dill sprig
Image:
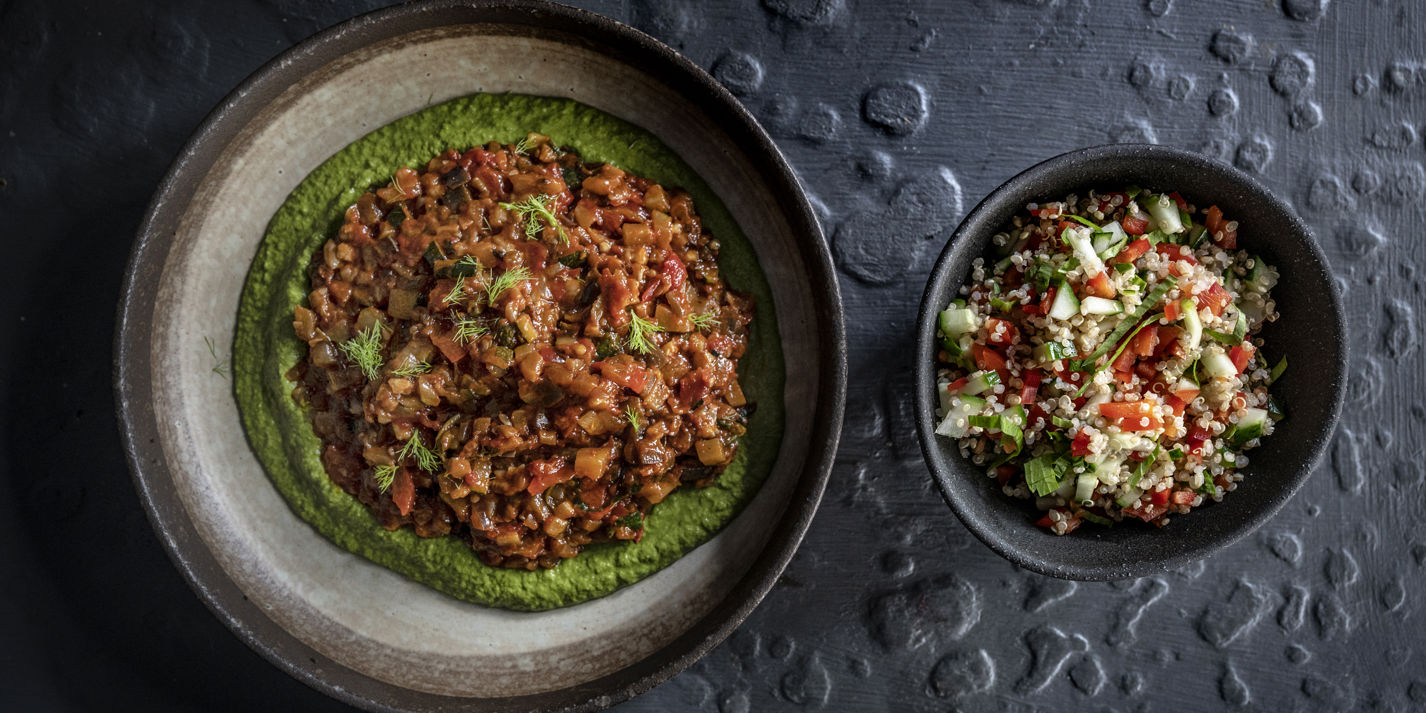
x: 457, y: 293
x: 385, y: 476
x: 533, y: 210
x: 365, y: 351
x: 219, y: 367
x: 633, y: 417
x: 495, y: 287
x: 415, y: 369
x: 640, y: 330
x: 523, y: 145
x: 468, y: 329
x: 426, y: 459
x: 703, y: 321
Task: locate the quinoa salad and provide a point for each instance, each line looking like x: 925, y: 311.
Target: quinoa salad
x: 1106, y: 364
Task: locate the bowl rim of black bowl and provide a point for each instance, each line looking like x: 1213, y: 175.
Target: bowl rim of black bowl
x: 1049, y: 180
x: 133, y: 384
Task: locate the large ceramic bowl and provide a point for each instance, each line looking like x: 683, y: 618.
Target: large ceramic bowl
x: 348, y: 627
x: 1309, y: 331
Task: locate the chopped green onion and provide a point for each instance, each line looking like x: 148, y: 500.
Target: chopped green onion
x: 1057, y: 351
x: 1002, y: 305
x: 1123, y: 267
x: 989, y: 423
x: 1133, y: 191
x: 1096, y: 519
x: 1084, y: 221
x: 1061, y: 422
x: 1132, y: 321
x: 1143, y: 468
x: 1278, y: 370
x: 1176, y: 453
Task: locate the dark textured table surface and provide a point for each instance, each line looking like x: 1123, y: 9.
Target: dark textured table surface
x: 898, y: 116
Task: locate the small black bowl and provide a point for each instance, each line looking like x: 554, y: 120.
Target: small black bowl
x: 1309, y: 331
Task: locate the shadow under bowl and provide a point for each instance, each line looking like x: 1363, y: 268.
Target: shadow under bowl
x: 1309, y: 331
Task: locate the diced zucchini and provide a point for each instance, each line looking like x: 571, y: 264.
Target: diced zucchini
x: 980, y: 382
x: 1165, y: 214
x: 1192, y: 325
x: 1099, y: 305
x: 1066, y: 305
x: 1084, y: 488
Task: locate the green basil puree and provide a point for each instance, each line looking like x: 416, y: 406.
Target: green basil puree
x: 265, y: 347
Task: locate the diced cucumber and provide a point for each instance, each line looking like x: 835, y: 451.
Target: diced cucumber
x: 1084, y: 249
x: 1131, y: 498
x: 1250, y: 426
x: 1120, y: 440
x: 1261, y: 277
x: 1165, y: 214
x: 1053, y: 351
x: 1084, y: 488
x: 1066, y: 305
x: 1196, y: 235
x: 957, y: 420
x: 956, y: 321
x: 1110, y: 240
x: 980, y: 382
x: 1216, y: 363
x: 1099, y: 305
x: 1192, y: 325
x: 1109, y: 469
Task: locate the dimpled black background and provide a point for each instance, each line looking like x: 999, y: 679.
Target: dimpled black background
x: 898, y: 116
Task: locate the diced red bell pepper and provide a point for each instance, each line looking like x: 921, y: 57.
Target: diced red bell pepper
x: 1150, y: 511
x: 990, y: 360
x: 1176, y: 253
x: 1159, y: 497
x: 1182, y: 497
x: 1004, y: 473
x: 1032, y: 378
x: 674, y: 273
x: 1215, y: 298
x: 1145, y: 368
x: 1168, y: 339
x: 1241, y: 356
x: 1000, y: 332
x: 1197, y: 436
x: 1176, y: 403
x: 955, y: 386
x: 450, y: 349
x: 1226, y: 239
x: 1133, y: 251
x: 1173, y: 309
x: 1179, y: 201
x: 1125, y: 362
x: 1080, y: 445
x: 1099, y: 286
x: 544, y: 473
x: 403, y: 491
x: 624, y: 373
x: 1145, y: 342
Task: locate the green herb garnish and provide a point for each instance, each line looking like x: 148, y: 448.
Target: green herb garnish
x: 468, y: 329
x: 633, y: 417
x: 533, y: 211
x: 415, y: 369
x: 219, y: 367
x: 385, y: 475
x: 574, y: 259
x: 640, y: 330
x: 426, y: 459
x: 703, y: 321
x: 1043, y: 474
x: 365, y: 351
x: 457, y: 293
x: 496, y: 287
x: 1278, y: 370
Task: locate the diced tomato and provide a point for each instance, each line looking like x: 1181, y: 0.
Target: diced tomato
x: 1032, y: 379
x: 1182, y: 497
x: 1197, y: 436
x: 1173, y: 309
x: 1159, y: 497
x: 1134, y: 225
x: 1080, y: 445
x: 1106, y: 202
x: 1187, y: 395
x: 450, y: 349
x: 1176, y: 403
x: 1004, y: 473
x: 1125, y: 362
x: 1241, y: 356
x: 990, y: 360
x: 1226, y: 239
x: 1100, y: 286
x: 1036, y: 417
x: 1178, y: 199
x: 624, y: 373
x: 674, y: 273
x: 1045, y: 212
x: 1146, y: 369
x: 955, y: 386
x: 692, y: 387
x: 1000, y: 332
x: 1045, y: 522
x: 1124, y: 377
x: 1047, y: 301
x: 1176, y: 253
x: 1073, y: 378
x: 1133, y: 251
x: 544, y: 473
x: 1168, y: 339
x: 1215, y: 298
x: 1151, y: 511
x: 1064, y: 225
x: 1145, y: 342
x: 403, y: 491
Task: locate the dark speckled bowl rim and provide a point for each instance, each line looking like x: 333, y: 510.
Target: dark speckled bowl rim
x: 134, y: 388
x: 1030, y: 185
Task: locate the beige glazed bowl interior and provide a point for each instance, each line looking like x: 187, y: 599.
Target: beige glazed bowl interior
x: 355, y: 614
